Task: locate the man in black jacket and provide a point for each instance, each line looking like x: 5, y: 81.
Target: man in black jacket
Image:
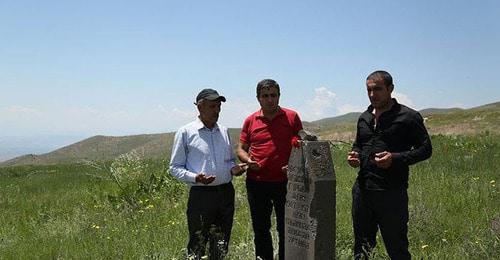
x: 389, y: 138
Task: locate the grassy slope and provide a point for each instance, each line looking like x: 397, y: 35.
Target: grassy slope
x: 64, y: 212
x: 102, y: 148
x: 471, y: 121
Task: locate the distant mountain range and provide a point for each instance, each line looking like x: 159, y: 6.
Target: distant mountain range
x: 453, y: 121
x: 13, y: 146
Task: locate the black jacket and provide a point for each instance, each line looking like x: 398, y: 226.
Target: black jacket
x: 400, y: 131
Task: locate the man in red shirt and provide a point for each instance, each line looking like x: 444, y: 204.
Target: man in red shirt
x: 265, y: 145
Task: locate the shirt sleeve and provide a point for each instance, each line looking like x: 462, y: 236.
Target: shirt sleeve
x: 297, y: 124
x: 178, y: 159
x: 421, y: 143
x: 244, y: 135
x: 232, y: 159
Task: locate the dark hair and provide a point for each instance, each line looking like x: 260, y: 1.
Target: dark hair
x: 384, y: 75
x: 267, y: 83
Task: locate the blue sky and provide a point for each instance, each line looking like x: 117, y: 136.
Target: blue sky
x: 82, y: 68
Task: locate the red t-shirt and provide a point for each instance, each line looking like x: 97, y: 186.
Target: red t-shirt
x: 270, y: 143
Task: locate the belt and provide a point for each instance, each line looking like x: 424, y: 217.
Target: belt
x: 212, y: 188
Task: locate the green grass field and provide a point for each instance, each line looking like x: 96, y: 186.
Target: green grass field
x: 80, y: 211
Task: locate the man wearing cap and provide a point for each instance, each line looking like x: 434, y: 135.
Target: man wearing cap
x: 265, y: 145
x: 202, y: 156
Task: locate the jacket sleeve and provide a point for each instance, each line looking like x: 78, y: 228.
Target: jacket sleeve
x: 419, y: 140
x: 356, y: 145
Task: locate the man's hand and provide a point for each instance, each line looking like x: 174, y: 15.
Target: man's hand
x: 284, y: 169
x: 353, y: 159
x: 383, y: 160
x: 239, y: 169
x: 253, y: 165
x: 202, y: 178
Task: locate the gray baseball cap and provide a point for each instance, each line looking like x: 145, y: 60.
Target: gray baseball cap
x: 209, y: 94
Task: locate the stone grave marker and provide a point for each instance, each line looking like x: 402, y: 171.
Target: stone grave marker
x: 310, y: 206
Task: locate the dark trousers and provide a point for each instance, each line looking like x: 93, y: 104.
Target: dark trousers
x: 262, y: 197
x: 387, y: 210
x: 210, y: 214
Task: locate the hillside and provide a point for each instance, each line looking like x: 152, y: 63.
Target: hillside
x: 435, y: 111
x: 106, y: 148
x: 343, y: 119
x: 484, y: 118
x: 452, y: 121
x: 101, y: 148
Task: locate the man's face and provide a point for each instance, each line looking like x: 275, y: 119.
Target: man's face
x: 209, y: 112
x: 269, y: 99
x: 378, y: 92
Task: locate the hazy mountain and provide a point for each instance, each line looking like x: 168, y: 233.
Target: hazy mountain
x: 343, y: 119
x: 107, y: 148
x: 484, y: 118
x: 490, y: 106
x: 434, y: 111
x: 13, y: 146
x: 101, y: 148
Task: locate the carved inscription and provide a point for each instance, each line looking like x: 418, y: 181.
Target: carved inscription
x: 297, y: 187
x: 297, y: 221
x: 310, y: 204
x: 298, y: 242
x: 298, y: 205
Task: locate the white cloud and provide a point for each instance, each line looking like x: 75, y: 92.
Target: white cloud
x: 319, y: 105
x: 457, y: 104
x: 176, y: 113
x: 77, y: 112
x: 234, y: 112
x: 16, y: 118
x: 402, y: 99
x: 179, y: 113
x: 348, y: 108
x: 16, y: 110
x: 88, y: 119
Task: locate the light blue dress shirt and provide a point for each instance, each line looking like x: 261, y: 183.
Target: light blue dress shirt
x: 198, y: 149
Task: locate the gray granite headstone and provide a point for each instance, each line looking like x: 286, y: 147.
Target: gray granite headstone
x: 310, y: 205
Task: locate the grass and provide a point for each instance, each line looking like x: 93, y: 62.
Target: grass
x: 78, y: 211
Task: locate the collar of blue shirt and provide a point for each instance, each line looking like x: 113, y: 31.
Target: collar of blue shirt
x: 199, y: 125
